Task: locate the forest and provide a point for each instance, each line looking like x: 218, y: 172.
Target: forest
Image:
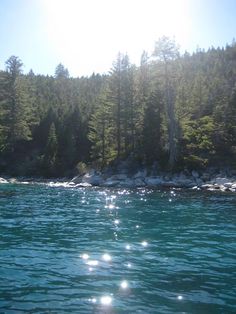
x: 175, y: 111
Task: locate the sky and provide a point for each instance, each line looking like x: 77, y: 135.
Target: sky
x: 86, y: 35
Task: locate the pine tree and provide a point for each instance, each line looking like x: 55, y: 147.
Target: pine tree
x: 16, y: 104
x: 51, y: 148
x: 166, y: 51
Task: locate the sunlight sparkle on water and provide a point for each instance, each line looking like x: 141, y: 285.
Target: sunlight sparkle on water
x: 92, y: 263
x: 144, y: 243
x: 106, y: 300
x: 111, y: 206
x: 180, y: 297
x: 106, y: 257
x: 117, y: 222
x: 127, y: 247
x: 85, y: 256
x: 124, y: 284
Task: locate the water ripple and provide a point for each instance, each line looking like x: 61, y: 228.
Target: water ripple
x: 116, y: 251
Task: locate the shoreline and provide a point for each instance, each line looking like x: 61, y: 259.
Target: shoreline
x: 195, y: 180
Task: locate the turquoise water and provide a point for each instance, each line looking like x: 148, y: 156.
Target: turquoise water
x: 116, y: 251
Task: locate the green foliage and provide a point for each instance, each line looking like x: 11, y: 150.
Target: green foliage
x: 198, y: 141
x: 172, y: 109
x: 50, y: 155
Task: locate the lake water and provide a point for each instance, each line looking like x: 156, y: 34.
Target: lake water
x: 65, y: 250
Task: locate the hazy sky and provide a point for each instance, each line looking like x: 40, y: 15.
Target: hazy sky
x: 86, y: 35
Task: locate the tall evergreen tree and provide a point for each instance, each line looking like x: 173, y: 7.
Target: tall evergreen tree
x: 166, y: 51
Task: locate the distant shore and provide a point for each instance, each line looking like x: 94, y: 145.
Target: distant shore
x: 206, y: 180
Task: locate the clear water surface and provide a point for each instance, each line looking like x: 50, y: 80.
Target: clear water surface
x: 116, y: 251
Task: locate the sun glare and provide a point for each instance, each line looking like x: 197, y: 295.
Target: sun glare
x: 96, y: 30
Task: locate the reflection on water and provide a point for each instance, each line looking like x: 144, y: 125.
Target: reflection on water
x: 106, y: 257
x: 144, y: 243
x: 92, y: 263
x: 124, y: 284
x: 85, y: 256
x: 106, y: 300
x: 140, y: 251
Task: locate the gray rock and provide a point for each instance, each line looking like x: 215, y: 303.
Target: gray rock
x: 228, y: 184
x: 110, y: 182
x: 170, y: 184
x: 207, y: 186
x: 206, y: 176
x: 4, y: 181
x: 139, y: 182
x: 119, y: 177
x: 93, y: 179
x: 128, y: 183
x: 83, y: 185
x: 220, y: 180
x: 140, y: 174
x: 195, y: 174
x: 153, y: 181
x: 195, y: 188
x: 198, y: 181
x: 77, y: 179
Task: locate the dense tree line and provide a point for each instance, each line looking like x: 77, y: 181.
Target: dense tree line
x: 174, y: 111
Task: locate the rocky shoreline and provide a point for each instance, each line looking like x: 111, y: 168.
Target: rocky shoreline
x: 207, y: 180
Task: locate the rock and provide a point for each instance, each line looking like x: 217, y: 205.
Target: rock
x: 233, y: 185
x: 77, y: 179
x: 140, y: 174
x: 188, y: 183
x: 195, y: 188
x: 119, y: 177
x: 220, y: 180
x: 93, y: 179
x: 206, y: 176
x: 198, y: 181
x: 139, y: 182
x: 195, y: 174
x: 207, y: 186
x: 228, y: 184
x: 110, y: 182
x: 153, y: 181
x: 128, y: 183
x: 83, y: 185
x: 2, y: 180
x: 169, y: 184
